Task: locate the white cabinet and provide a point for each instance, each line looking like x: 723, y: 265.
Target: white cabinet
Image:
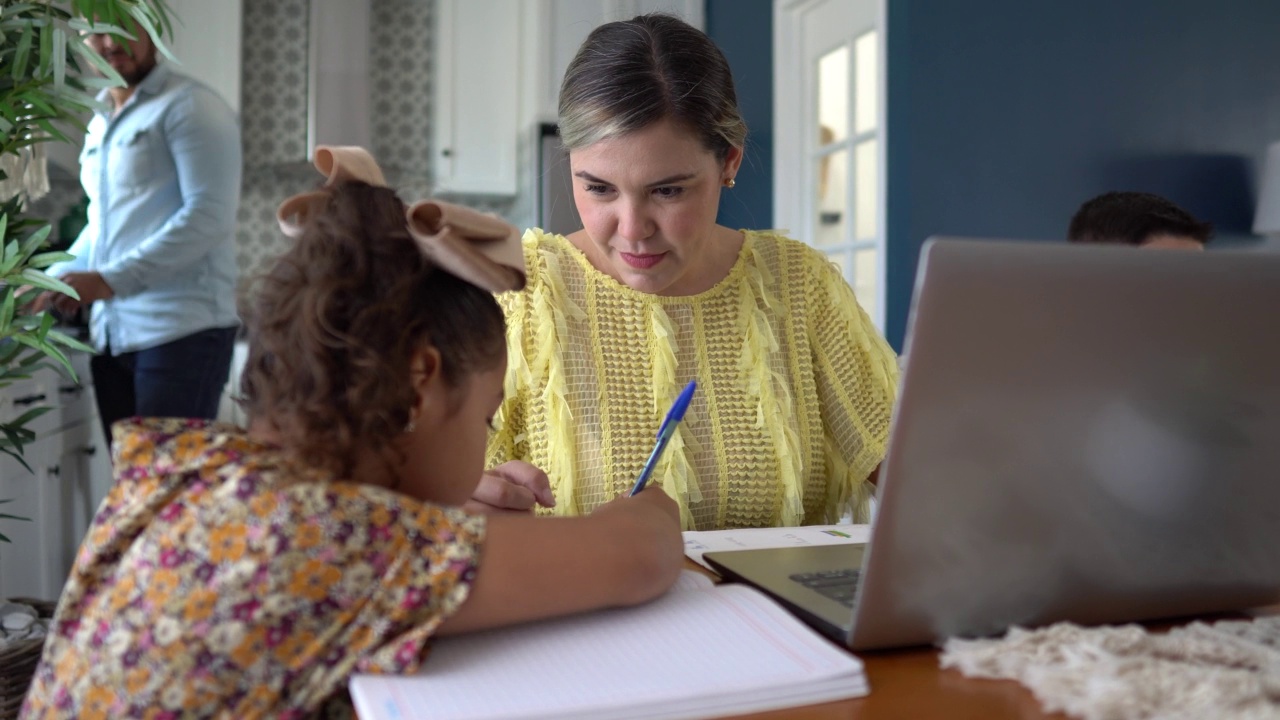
x: 498, y: 66
x: 229, y: 410
x: 70, y: 475
x: 475, y: 125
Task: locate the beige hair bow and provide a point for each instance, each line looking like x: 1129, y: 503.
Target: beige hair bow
x: 481, y: 249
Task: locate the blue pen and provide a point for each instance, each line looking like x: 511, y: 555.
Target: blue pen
x: 674, y: 416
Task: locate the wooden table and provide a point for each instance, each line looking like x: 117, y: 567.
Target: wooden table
x: 909, y: 684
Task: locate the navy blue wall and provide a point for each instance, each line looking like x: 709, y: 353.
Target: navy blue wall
x: 744, y: 31
x: 1005, y: 115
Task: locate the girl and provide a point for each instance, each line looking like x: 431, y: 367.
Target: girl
x: 249, y: 573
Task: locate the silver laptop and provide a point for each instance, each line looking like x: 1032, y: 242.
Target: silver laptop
x: 1082, y: 433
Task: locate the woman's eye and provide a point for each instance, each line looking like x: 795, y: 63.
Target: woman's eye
x: 668, y: 192
x: 597, y: 189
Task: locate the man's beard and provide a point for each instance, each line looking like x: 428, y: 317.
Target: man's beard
x: 141, y: 69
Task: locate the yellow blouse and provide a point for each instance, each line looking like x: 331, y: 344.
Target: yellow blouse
x: 795, y: 386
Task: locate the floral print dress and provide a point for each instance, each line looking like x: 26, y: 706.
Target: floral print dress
x: 219, y: 579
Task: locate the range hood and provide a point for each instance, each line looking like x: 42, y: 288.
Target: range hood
x: 338, y: 74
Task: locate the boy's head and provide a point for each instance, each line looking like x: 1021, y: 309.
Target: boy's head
x: 1139, y: 219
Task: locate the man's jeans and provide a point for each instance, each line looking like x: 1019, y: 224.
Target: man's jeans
x: 183, y: 378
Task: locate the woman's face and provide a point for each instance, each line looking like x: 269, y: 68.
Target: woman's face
x: 648, y: 202
x: 444, y: 453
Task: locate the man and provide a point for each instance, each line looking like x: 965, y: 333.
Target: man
x: 156, y: 260
x: 1137, y: 218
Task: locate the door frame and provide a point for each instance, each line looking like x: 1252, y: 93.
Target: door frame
x: 791, y: 184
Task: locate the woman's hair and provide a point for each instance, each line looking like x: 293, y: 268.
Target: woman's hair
x: 630, y: 74
x: 334, y: 323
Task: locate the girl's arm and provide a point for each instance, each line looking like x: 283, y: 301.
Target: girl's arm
x: 626, y: 552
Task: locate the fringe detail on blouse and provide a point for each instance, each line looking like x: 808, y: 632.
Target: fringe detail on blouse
x: 770, y: 390
x: 881, y: 359
x: 882, y: 364
x: 546, y: 368
x: 674, y: 471
x: 844, y: 491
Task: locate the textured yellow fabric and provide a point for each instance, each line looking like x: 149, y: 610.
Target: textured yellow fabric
x: 795, y: 386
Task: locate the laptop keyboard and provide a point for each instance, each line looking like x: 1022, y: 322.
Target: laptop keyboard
x: 839, y: 585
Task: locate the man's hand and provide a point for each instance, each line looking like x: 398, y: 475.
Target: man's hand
x: 514, y: 486
x: 89, y: 285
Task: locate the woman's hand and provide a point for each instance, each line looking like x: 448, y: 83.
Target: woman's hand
x: 514, y: 486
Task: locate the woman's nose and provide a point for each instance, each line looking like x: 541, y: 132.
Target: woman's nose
x: 634, y: 222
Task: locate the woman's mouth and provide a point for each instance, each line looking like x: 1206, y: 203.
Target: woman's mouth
x: 641, y: 262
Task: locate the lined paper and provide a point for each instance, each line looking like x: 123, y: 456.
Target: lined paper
x: 698, y: 651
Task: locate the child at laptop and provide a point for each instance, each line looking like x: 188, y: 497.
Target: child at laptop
x: 249, y: 573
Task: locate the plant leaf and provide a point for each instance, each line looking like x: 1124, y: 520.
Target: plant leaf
x: 99, y: 64
x: 46, y: 50
x: 6, y: 308
x: 38, y: 278
x: 44, y: 260
x: 34, y: 241
x: 46, y: 324
x: 50, y: 350
x: 68, y: 341
x: 29, y: 415
x: 12, y: 438
x: 8, y: 355
x: 142, y: 14
x: 23, y: 53
x: 59, y: 57
x: 82, y: 24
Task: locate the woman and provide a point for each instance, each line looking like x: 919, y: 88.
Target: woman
x: 249, y: 574
x: 795, y: 385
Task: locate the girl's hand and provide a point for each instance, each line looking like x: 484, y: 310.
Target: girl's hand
x: 653, y: 497
x: 627, y: 552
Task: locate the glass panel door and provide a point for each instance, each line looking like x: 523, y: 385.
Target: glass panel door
x: 846, y: 200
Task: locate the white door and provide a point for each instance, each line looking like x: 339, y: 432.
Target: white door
x: 829, y: 130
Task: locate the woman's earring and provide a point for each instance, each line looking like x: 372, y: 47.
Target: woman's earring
x: 730, y: 182
x: 412, y: 424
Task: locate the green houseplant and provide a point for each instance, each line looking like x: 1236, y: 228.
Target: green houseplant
x: 46, y: 86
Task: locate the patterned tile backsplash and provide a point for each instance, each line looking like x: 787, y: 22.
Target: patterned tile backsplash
x: 273, y: 82
x: 274, y: 115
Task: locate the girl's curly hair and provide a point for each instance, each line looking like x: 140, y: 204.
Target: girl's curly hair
x: 333, y: 324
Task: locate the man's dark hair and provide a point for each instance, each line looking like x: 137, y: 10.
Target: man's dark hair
x: 1132, y: 218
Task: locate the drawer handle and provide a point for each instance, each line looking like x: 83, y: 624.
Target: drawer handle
x: 70, y: 389
x: 29, y: 399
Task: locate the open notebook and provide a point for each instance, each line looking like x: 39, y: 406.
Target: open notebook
x: 699, y: 542
x: 699, y: 651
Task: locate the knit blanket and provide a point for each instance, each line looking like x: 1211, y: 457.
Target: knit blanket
x: 1228, y: 669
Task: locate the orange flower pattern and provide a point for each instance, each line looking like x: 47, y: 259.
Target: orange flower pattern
x: 220, y: 579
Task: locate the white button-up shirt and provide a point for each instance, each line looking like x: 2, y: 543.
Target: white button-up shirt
x: 163, y: 180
